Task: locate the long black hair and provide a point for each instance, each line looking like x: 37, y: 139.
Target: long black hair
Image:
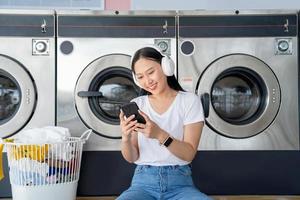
x: 155, y: 55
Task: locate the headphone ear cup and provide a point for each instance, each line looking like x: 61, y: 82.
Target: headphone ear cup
x: 135, y: 80
x: 168, y: 66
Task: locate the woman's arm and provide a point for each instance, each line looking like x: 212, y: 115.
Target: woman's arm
x: 129, y: 149
x: 186, y: 149
x: 129, y: 144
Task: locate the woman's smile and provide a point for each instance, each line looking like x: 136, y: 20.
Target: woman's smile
x: 152, y: 86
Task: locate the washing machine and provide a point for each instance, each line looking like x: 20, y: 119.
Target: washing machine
x: 27, y: 70
x: 244, y: 65
x: 27, y: 74
x: 94, y: 79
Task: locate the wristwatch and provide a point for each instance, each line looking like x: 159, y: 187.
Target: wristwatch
x: 167, y: 141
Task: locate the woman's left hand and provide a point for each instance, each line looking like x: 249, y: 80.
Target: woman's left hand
x: 150, y: 129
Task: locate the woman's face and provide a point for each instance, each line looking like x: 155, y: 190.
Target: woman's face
x: 150, y: 76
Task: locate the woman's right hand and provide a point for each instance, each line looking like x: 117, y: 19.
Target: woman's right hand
x: 127, y: 126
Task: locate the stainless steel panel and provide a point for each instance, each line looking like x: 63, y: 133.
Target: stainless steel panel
x: 116, y: 13
x: 235, y: 12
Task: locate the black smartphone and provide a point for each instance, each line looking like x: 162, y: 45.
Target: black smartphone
x: 132, y: 109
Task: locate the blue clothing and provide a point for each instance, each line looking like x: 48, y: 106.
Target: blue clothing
x: 162, y: 183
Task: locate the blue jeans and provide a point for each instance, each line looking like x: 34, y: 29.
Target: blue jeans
x: 162, y: 182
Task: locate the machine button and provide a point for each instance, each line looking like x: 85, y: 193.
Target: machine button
x: 66, y: 47
x: 187, y: 48
x: 163, y: 46
x: 283, y: 45
x: 41, y: 46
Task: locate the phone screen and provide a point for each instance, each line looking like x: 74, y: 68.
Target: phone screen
x: 132, y: 109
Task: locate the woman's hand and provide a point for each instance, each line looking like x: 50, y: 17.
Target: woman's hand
x: 127, y: 126
x: 150, y: 129
x: 129, y: 145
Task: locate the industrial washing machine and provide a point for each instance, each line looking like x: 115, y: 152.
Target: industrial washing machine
x: 93, y: 70
x: 244, y: 65
x: 94, y: 79
x: 27, y: 70
x: 27, y: 74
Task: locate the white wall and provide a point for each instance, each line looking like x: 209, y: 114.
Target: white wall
x: 213, y: 4
x: 72, y: 4
x: 158, y: 4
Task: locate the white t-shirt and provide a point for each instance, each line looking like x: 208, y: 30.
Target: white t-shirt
x: 185, y: 109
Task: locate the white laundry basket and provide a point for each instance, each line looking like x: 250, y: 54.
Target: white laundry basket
x: 45, y: 171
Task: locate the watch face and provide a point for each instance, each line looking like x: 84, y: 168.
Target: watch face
x: 168, y: 141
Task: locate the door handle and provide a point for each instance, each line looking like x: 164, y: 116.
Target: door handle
x: 205, y: 103
x: 89, y: 94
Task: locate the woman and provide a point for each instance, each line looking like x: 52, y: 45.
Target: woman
x: 163, y: 147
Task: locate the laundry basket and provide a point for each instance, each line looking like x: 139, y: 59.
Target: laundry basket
x: 45, y: 171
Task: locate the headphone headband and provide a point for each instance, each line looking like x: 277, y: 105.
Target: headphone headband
x: 167, y: 63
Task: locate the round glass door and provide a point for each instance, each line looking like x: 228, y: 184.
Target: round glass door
x: 115, y: 87
x: 244, y: 95
x: 17, y: 96
x: 10, y: 97
x: 101, y: 89
x: 238, y: 95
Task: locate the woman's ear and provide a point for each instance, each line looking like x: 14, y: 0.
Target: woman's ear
x: 135, y: 80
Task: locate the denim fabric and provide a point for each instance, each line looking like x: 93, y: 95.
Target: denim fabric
x: 162, y: 182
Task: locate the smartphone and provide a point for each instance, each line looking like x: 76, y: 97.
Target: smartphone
x: 132, y: 109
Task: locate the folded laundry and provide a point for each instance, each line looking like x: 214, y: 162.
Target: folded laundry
x: 1, y: 164
x: 1, y: 150
x: 18, y: 177
x: 29, y: 166
x: 63, y: 151
x: 34, y: 152
x: 38, y: 164
x: 44, y: 135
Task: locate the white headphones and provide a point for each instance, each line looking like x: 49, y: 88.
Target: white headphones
x: 167, y: 64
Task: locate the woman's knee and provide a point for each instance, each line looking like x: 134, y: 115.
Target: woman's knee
x: 135, y: 194
x: 193, y: 194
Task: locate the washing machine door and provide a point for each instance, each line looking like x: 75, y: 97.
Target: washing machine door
x: 244, y: 95
x: 101, y: 89
x: 17, y: 96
